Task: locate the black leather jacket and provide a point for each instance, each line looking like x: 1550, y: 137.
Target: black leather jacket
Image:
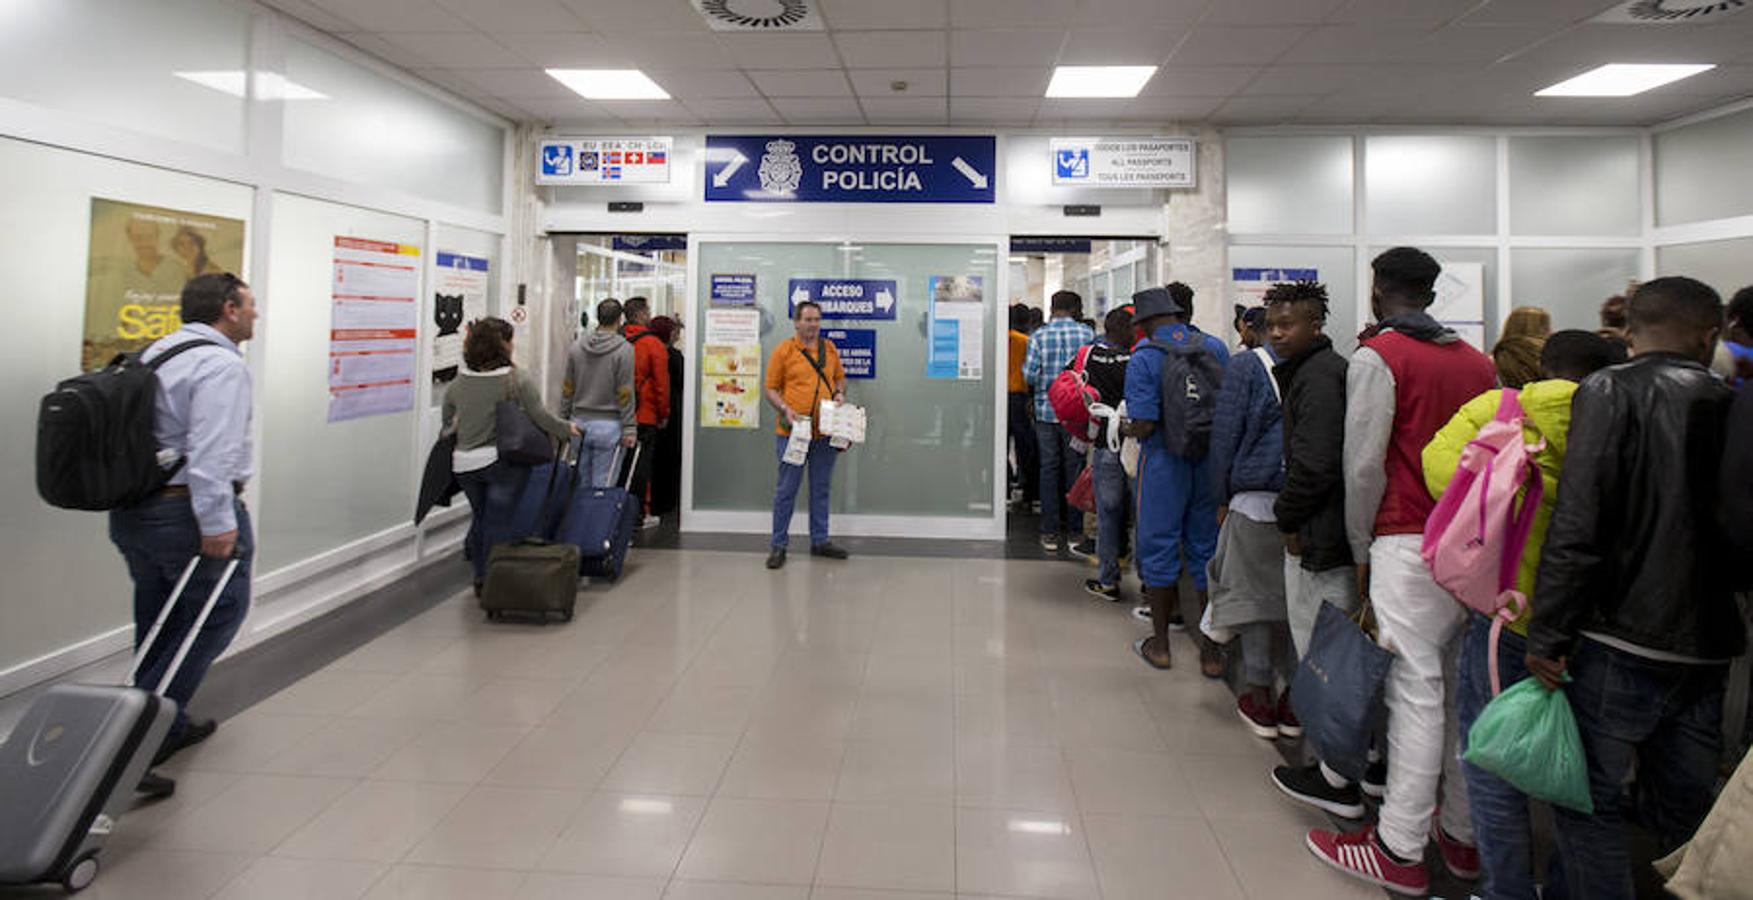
x: 1634, y: 550
x: 1312, y: 501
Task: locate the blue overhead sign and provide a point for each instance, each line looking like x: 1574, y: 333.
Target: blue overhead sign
x: 847, y: 298
x: 809, y: 168
x: 857, y: 348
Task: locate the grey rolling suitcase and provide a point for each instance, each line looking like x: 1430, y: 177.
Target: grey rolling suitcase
x: 69, y: 769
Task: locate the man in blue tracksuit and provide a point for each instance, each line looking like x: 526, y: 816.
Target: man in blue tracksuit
x: 1176, y: 506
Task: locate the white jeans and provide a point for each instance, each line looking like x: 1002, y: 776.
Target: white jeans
x: 1305, y: 590
x: 1421, y: 623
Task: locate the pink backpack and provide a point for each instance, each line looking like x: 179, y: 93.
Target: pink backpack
x: 1070, y: 395
x: 1474, y: 539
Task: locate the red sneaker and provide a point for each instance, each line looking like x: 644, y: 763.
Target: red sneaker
x: 1462, y: 860
x: 1361, y: 857
x: 1288, y: 726
x: 1260, y: 718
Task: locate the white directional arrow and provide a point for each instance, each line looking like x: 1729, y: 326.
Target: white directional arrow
x: 730, y: 169
x: 973, y: 175
x: 885, y: 301
x: 801, y: 295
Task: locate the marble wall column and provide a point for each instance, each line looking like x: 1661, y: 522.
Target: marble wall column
x: 1196, y: 240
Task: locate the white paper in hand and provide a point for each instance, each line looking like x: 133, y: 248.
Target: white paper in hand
x: 798, y: 448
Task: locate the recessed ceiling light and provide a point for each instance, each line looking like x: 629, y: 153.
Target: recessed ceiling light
x: 1622, y: 80
x: 610, y: 84
x: 269, y: 85
x: 1099, y: 81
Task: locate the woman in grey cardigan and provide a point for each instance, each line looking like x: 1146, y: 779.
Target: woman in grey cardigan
x: 471, y: 407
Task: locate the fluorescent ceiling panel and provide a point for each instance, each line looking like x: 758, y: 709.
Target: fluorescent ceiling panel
x: 1622, y: 80
x: 1099, y: 81
x: 610, y: 84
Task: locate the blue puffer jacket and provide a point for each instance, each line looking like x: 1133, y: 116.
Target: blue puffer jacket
x: 1247, y: 432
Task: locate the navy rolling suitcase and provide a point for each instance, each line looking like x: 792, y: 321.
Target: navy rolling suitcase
x: 542, y: 501
x: 601, y: 522
x: 69, y: 769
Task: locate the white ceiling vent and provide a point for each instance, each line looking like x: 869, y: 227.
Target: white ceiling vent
x: 1671, y: 12
x: 759, y: 15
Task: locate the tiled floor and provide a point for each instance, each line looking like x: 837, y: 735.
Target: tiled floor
x: 882, y: 729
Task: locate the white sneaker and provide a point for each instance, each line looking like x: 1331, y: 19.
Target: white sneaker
x: 651, y: 522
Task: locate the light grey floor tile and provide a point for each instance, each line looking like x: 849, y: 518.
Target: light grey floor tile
x: 459, y: 752
x: 997, y: 775
x: 626, y: 834
x: 376, y: 821
x: 901, y: 847
x: 1023, y: 853
x: 556, y: 886
x: 758, y: 841
x: 1269, y: 859
x: 273, y: 878
x: 345, y: 747
x: 1122, y: 781
x: 423, y: 882
x: 718, y: 890
x: 251, y: 816
x: 143, y: 873
x: 498, y: 827
x: 780, y: 769
x: 1144, y: 858
x: 327, y: 692
x: 246, y: 743
x: 873, y: 772
x: 671, y: 764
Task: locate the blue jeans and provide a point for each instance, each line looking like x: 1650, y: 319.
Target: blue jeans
x: 820, y: 464
x: 1501, y: 823
x: 1113, y: 505
x: 596, y: 449
x: 493, y: 493
x: 1666, y: 720
x: 1059, y: 469
x: 157, y: 539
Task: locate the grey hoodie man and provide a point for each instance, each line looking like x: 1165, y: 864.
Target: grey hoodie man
x: 599, y: 381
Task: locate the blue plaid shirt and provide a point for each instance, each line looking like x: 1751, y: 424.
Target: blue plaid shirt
x: 1051, y: 348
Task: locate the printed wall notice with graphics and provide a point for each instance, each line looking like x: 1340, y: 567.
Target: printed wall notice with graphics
x: 807, y: 168
x: 730, y: 368
x: 1251, y: 285
x: 459, y: 296
x: 732, y: 290
x: 1124, y: 162
x: 956, y: 347
x: 846, y: 298
x: 140, y: 258
x: 1460, y: 300
x: 598, y: 161
x: 857, y: 348
x: 373, y: 327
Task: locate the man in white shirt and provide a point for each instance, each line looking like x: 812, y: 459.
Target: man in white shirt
x: 203, y: 420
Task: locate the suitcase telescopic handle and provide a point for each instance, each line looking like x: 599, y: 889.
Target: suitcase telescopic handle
x: 176, y: 596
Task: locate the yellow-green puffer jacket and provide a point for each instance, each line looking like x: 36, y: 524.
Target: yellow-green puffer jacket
x: 1547, y: 407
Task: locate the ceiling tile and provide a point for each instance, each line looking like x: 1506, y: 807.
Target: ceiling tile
x: 780, y: 51
x: 819, y: 110
x: 689, y: 84
x: 1261, y: 110
x: 890, y: 49
x: 1121, y: 13
x: 395, y: 15
x: 1597, y: 44
x: 994, y: 110
x: 1517, y: 12
x: 649, y: 110
x: 449, y: 50
x: 1272, y: 12
x: 802, y: 83
x: 450, y: 80
x: 1215, y: 45
x: 853, y: 14
x: 734, y: 111
x: 566, y: 50
x: 527, y: 83
x: 315, y: 16
x: 1418, y: 13
x: 623, y: 17
x: 1177, y: 108
x: 1158, y: 110
x: 1119, y: 46
x: 674, y: 50
x: 907, y: 111
x: 920, y: 82
x: 1199, y: 81
x: 1011, y: 13
x: 520, y: 17
x: 1401, y: 44
x: 374, y: 44
x: 575, y: 110
x: 1005, y: 47
x: 1310, y: 79
x: 1000, y: 82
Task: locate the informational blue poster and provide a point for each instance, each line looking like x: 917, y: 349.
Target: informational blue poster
x: 857, y: 348
x: 809, y: 168
x: 958, y: 327
x: 733, y: 290
x: 847, y: 298
x: 941, y: 355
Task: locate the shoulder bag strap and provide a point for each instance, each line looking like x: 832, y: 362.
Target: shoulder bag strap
x: 815, y: 364
x: 178, y: 350
x: 1265, y: 357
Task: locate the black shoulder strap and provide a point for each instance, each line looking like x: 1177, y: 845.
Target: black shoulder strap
x: 814, y: 364
x: 178, y: 350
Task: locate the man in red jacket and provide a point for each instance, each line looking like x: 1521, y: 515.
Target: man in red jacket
x: 1409, y: 376
x: 651, y: 381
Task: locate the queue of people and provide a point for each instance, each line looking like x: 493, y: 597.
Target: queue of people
x: 1283, y: 477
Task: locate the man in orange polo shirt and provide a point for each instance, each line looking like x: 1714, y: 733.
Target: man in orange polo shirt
x: 803, y: 371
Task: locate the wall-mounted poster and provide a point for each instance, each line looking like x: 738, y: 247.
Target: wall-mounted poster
x: 459, y: 296
x: 1251, y: 285
x: 956, y: 345
x: 1460, y: 300
x: 374, y: 322
x: 140, y: 258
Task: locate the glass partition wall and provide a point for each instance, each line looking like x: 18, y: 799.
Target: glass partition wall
x: 927, y: 466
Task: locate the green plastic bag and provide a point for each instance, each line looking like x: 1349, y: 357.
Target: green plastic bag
x: 1528, y: 737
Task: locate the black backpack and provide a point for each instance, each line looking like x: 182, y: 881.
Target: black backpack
x: 95, y: 445
x: 1191, y: 379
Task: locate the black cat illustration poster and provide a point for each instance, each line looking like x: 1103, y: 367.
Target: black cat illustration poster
x: 459, y: 297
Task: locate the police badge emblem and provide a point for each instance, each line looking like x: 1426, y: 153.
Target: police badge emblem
x: 781, y: 170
